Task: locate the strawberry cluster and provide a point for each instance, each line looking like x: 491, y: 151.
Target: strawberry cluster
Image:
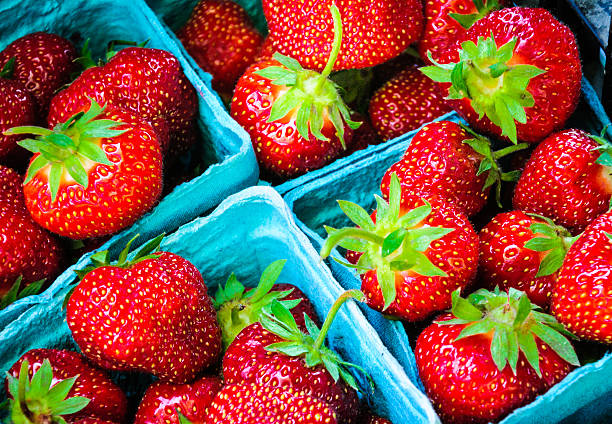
x: 152, y: 314
x: 97, y: 165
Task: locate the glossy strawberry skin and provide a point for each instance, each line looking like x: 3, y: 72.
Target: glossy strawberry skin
x: 246, y: 360
x: 147, y: 82
x: 26, y: 249
x: 544, y: 43
x: 562, y: 181
x: 505, y: 261
x: 456, y: 253
x: 373, y: 31
x: 92, y: 420
x: 407, y: 101
x: 279, y: 147
x: 582, y: 298
x: 17, y: 108
x: 154, y: 316
x: 438, y: 163
x: 222, y: 40
x: 107, y: 401
x: 250, y: 403
x: 465, y: 385
x: 115, y: 197
x: 442, y: 31
x: 43, y: 63
x: 161, y: 401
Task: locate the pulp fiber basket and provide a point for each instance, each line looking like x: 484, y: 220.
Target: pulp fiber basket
x: 584, y: 395
x: 223, y: 143
x: 247, y: 232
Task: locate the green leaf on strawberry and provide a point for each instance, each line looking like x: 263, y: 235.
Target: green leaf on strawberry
x: 514, y: 323
x: 15, y: 294
x: 556, y: 241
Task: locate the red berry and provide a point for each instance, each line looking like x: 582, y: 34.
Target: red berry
x: 26, y: 249
x: 152, y: 315
x: 17, y: 108
x: 564, y: 181
x: 374, y: 31
x: 582, y: 297
x: 106, y: 400
x: 222, y: 40
x: 43, y: 64
x: 162, y: 401
x: 407, y: 101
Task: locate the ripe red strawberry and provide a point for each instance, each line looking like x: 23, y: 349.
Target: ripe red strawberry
x: 375, y: 31
x: 93, y: 175
x: 100, y: 397
x: 267, y: 49
x: 43, y: 63
x: 517, y: 74
x: 415, y: 253
x: 91, y: 420
x: 567, y: 179
x: 373, y: 419
x: 524, y: 252
x: 363, y: 136
x: 162, y: 402
x: 150, y: 314
x: 404, y: 103
x: 276, y: 353
x: 222, y: 40
x: 250, y: 403
x: 147, y: 82
x: 26, y: 250
x: 238, y: 308
x: 582, y: 297
x: 17, y: 108
x: 494, y: 353
x: 447, y: 21
x: 295, y: 117
x: 452, y: 162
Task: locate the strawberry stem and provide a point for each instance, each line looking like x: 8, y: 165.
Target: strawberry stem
x: 28, y: 130
x: 337, y: 41
x: 356, y: 233
x: 351, y: 294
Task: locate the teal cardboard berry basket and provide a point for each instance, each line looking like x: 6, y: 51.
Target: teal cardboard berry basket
x: 223, y: 144
x: 247, y: 232
x: 584, y: 395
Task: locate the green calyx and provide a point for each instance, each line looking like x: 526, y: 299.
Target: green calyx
x: 605, y: 147
x: 277, y: 319
x: 238, y: 308
x: 551, y: 238
x: 496, y: 88
x: 69, y: 147
x: 36, y: 402
x: 313, y: 94
x: 15, y: 294
x: 86, y: 59
x: 490, y: 161
x: 483, y: 9
x: 8, y: 69
x: 514, y: 323
x: 396, y: 242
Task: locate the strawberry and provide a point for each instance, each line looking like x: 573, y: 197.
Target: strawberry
x: 387, y: 70
x: 461, y: 171
x: 404, y: 103
x: 222, y: 40
x: 43, y: 63
x: 27, y: 252
x: 375, y: 30
x: 295, y: 117
x: 47, y: 374
x: 151, y: 314
x: 447, y: 21
x: 582, y: 297
x: 162, y: 402
x: 92, y: 420
x: 494, y: 353
x: 237, y: 307
x: 274, y: 352
x: 251, y: 403
x: 93, y: 175
x: 517, y: 74
x: 17, y: 107
x: 147, y: 82
x: 363, y: 136
x: 373, y: 419
x: 415, y: 252
x: 567, y: 179
x: 524, y: 252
